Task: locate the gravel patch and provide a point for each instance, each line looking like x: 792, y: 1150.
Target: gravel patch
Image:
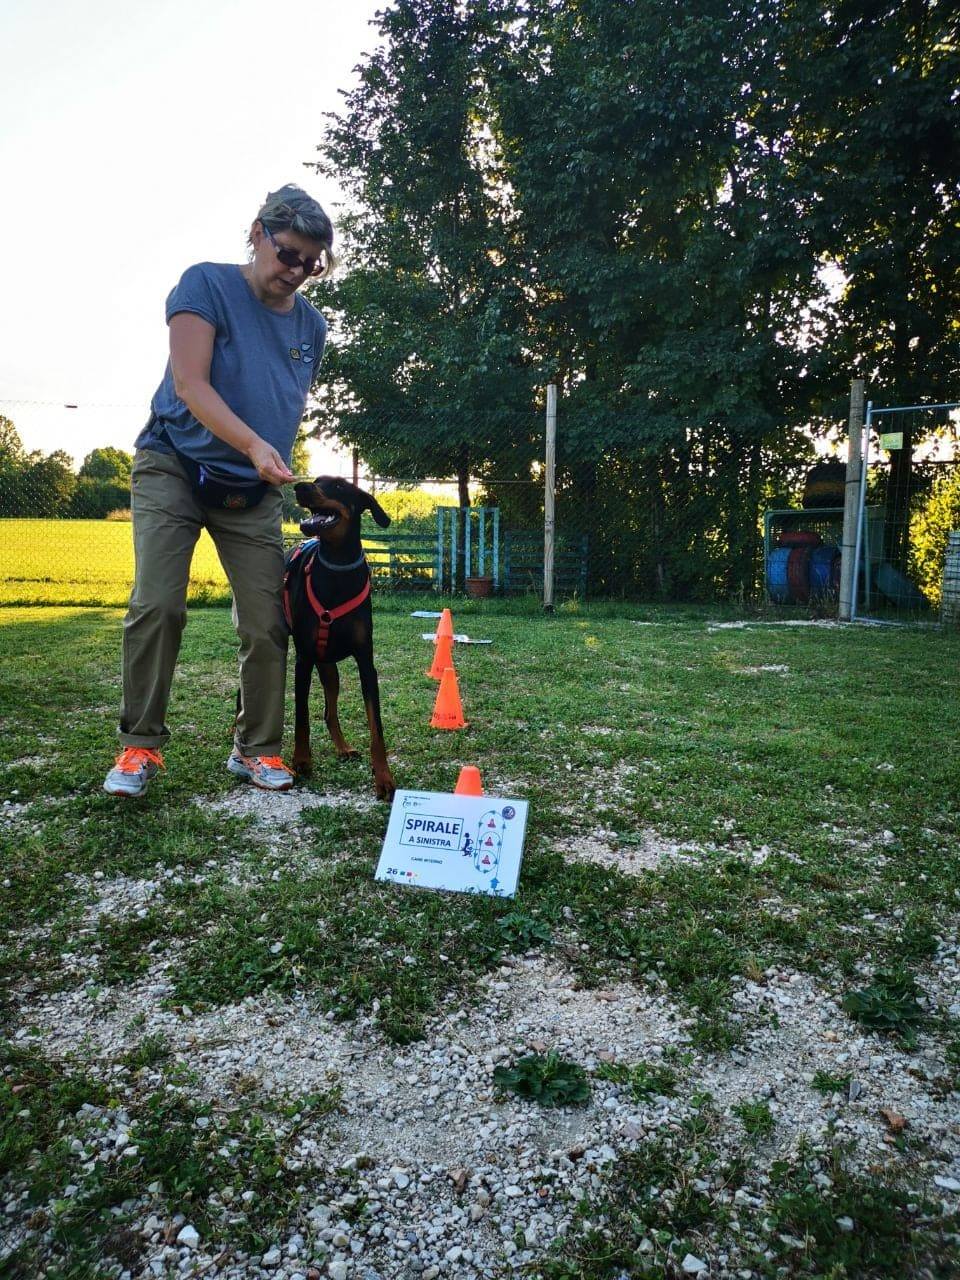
x: 461, y: 1182
x: 282, y: 808
x: 646, y: 851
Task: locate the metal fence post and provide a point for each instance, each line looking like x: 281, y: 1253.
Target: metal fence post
x: 861, y: 506
x: 549, y: 497
x: 851, y: 504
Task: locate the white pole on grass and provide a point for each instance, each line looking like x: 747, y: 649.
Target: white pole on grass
x: 851, y: 503
x: 861, y: 508
x: 549, y: 497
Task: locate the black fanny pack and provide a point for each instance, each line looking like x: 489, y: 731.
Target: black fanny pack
x: 226, y: 492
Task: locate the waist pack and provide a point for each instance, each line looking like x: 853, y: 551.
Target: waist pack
x: 227, y: 492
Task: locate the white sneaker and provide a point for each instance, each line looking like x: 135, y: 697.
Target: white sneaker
x: 268, y: 772
x: 134, y: 768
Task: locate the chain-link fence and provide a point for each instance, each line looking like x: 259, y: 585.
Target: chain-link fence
x: 645, y: 510
x: 910, y: 504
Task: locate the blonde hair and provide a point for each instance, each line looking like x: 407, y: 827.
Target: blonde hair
x: 291, y: 209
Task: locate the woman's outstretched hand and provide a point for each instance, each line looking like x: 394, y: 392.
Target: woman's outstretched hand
x: 270, y: 466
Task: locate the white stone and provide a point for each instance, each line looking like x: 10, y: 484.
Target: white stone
x: 188, y: 1236
x: 693, y: 1265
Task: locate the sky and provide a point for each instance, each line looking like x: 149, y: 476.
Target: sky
x: 140, y: 136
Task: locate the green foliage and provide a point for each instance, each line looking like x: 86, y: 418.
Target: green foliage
x: 664, y: 1198
x: 588, y: 194
x: 645, y: 1079
x: 430, y: 319
x: 11, y: 446
x: 755, y: 1116
x: 183, y: 1149
x: 108, y: 465
x: 929, y: 526
x: 824, y: 1082
x: 545, y: 1078
x: 894, y: 1231
x: 36, y: 1097
x: 95, y: 499
x: 521, y: 931
x: 151, y: 1050
x: 889, y: 1004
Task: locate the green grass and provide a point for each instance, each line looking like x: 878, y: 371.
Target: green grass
x: 90, y: 562
x: 86, y: 562
x: 818, y: 1221
x: 182, y: 1153
x: 823, y: 801
x: 712, y: 753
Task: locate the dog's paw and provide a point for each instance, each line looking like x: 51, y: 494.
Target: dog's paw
x: 348, y: 753
x: 303, y: 767
x: 384, y: 786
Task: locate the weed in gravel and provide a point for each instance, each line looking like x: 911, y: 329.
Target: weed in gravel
x: 545, y: 1078
x: 150, y: 1052
x: 644, y: 1079
x: 889, y: 1004
x: 521, y: 931
x: 827, y: 1083
x: 755, y: 1116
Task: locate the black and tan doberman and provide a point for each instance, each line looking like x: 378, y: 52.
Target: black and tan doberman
x: 326, y: 598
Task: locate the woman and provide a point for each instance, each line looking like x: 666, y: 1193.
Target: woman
x: 244, y: 348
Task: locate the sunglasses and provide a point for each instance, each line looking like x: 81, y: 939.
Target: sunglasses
x: 309, y: 266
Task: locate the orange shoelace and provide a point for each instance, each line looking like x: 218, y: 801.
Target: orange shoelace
x: 275, y: 762
x: 132, y: 759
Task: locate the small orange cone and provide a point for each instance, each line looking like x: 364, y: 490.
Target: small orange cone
x: 445, y: 625
x: 442, y: 657
x: 469, y: 784
x: 447, y: 710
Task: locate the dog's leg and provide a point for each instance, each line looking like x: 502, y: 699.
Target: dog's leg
x: 383, y: 782
x: 303, y: 675
x: 330, y: 679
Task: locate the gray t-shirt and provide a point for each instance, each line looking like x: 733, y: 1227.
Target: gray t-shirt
x: 262, y: 365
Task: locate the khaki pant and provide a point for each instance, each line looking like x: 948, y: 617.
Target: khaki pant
x: 167, y: 519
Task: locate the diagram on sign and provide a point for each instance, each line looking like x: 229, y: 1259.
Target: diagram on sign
x: 489, y: 843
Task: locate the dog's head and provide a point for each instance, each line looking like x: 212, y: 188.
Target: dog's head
x: 335, y: 507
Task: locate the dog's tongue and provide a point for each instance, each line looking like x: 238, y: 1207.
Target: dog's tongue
x: 315, y: 523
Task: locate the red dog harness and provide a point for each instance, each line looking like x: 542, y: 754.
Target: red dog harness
x: 325, y: 617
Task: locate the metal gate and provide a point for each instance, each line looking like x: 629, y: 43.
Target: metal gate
x: 910, y: 471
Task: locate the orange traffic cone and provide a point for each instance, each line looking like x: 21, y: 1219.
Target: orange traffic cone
x: 442, y: 657
x: 469, y: 784
x: 447, y: 710
x: 445, y: 625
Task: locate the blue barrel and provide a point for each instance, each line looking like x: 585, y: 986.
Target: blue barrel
x: 778, y: 586
x: 823, y: 572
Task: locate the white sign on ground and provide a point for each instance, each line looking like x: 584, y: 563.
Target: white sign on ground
x: 470, y: 844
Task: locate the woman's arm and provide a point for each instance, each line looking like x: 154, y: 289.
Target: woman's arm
x: 191, y: 352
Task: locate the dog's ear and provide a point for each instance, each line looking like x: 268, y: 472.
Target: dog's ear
x: 375, y: 509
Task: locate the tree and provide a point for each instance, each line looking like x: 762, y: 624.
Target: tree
x: 48, y: 483
x: 878, y: 150
x: 429, y: 368
x: 11, y: 447
x: 639, y: 200
x: 671, y: 279
x: 109, y: 465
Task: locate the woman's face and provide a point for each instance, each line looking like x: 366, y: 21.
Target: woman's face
x: 278, y: 280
